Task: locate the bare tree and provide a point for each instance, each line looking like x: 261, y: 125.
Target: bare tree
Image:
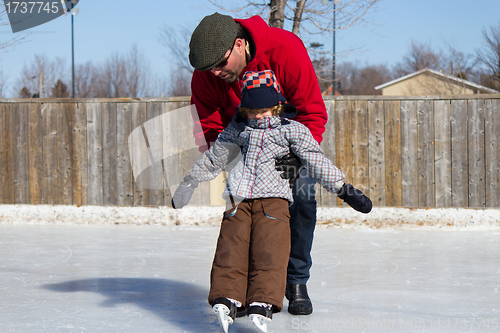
x: 176, y: 40
x: 277, y: 13
x: 86, y: 77
x: 308, y: 17
x: 362, y: 81
x: 457, y: 63
x: 41, y: 71
x: 490, y: 57
x: 449, y: 61
x: 419, y: 56
x: 311, y: 20
x: 125, y: 76
x: 6, y: 45
x: 179, y: 85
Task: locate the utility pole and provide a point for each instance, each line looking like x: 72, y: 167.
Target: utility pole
x: 41, y: 85
x: 334, y: 82
x: 72, y: 55
x: 73, y: 11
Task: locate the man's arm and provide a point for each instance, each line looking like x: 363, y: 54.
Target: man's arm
x: 300, y: 85
x: 208, y: 121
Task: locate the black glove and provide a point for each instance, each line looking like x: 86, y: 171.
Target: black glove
x: 184, y: 192
x: 355, y: 198
x: 290, y: 166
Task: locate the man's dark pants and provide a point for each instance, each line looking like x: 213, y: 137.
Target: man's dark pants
x: 302, y: 224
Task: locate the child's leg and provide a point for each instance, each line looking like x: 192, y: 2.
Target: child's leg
x: 229, y: 274
x: 269, y: 252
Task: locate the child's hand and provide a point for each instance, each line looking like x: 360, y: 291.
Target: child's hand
x: 355, y: 198
x: 184, y: 192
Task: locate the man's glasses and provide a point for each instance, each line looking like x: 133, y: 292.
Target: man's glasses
x: 225, y: 60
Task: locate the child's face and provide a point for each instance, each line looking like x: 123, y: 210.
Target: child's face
x: 260, y: 115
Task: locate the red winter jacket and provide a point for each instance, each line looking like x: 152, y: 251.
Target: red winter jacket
x: 279, y: 50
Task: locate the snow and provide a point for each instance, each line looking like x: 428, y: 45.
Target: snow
x: 331, y: 217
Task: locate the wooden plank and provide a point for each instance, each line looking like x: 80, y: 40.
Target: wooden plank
x: 409, y: 155
x: 51, y: 189
x: 393, y: 153
x: 187, y: 157
x: 459, y: 169
x: 376, y: 158
x: 64, y: 152
x: 492, y: 152
x: 323, y: 197
x: 19, y: 126
x: 109, y: 154
x: 359, y: 127
x: 407, y: 97
x: 425, y: 153
x: 207, y: 192
x: 6, y: 176
x: 125, y: 179
x: 203, y: 189
x: 94, y: 154
x: 153, y: 112
x: 442, y: 148
x: 180, y: 153
x: 343, y: 147
x: 475, y: 136
x: 35, y: 153
x: 141, y: 195
x: 171, y: 160
x: 77, y: 116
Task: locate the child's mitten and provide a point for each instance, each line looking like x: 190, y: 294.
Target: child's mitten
x: 184, y: 192
x: 355, y: 198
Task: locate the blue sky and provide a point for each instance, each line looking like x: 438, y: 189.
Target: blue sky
x: 104, y: 27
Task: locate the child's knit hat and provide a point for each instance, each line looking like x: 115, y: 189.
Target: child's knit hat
x: 262, y: 90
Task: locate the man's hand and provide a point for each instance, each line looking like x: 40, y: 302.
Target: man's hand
x: 184, y: 192
x: 355, y: 198
x: 290, y: 166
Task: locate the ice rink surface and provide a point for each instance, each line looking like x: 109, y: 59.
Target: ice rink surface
x: 125, y: 278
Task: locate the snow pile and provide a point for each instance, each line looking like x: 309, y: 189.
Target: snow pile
x: 412, y: 218
x: 338, y: 217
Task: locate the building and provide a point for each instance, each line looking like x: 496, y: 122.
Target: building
x: 431, y: 82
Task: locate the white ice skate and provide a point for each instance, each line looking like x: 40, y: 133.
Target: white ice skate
x: 261, y: 315
x: 260, y: 322
x: 225, y: 311
x: 222, y: 312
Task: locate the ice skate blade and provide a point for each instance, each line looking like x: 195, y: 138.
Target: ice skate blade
x: 222, y: 312
x: 260, y: 322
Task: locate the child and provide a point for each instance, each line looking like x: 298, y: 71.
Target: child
x: 249, y: 267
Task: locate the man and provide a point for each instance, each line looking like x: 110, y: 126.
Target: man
x: 222, y: 49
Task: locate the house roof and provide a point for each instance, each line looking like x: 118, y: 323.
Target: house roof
x: 456, y: 79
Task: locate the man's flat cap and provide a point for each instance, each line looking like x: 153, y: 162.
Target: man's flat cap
x: 210, y: 41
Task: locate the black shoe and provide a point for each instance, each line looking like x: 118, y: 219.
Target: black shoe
x: 299, y: 302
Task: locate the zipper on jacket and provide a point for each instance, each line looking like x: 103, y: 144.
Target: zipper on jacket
x: 257, y: 157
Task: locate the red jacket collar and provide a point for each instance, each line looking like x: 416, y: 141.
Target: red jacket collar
x: 256, y: 28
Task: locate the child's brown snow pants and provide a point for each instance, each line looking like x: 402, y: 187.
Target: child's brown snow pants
x: 252, y: 253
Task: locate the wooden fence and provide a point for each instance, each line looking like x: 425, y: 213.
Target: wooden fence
x: 403, y: 151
